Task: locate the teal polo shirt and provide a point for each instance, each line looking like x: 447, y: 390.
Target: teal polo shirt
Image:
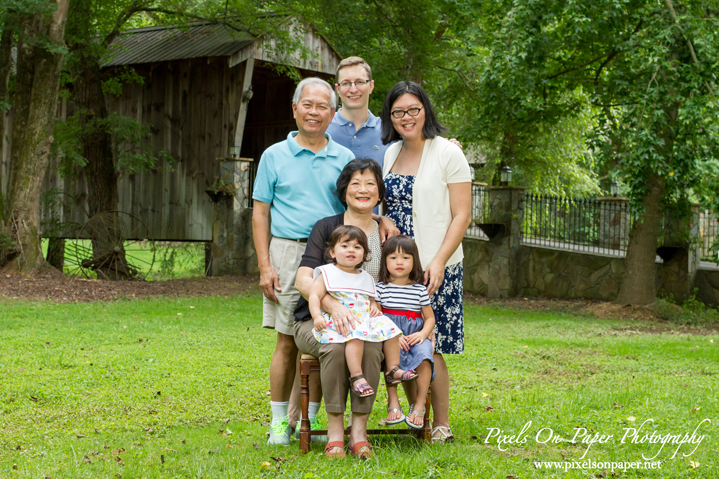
x: 300, y: 185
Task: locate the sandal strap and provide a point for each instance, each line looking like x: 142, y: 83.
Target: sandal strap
x: 354, y: 379
x: 333, y: 444
x: 390, y: 374
x: 359, y: 445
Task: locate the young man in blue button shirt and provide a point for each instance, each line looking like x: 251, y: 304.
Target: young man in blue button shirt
x: 354, y: 126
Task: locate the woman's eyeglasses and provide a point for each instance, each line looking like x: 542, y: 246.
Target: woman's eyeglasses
x: 411, y: 112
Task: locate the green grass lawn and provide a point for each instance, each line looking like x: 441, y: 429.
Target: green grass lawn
x: 156, y: 261
x: 178, y: 388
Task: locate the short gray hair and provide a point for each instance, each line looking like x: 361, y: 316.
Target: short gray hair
x: 312, y: 81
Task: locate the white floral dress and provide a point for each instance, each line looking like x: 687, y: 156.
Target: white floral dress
x: 353, y: 291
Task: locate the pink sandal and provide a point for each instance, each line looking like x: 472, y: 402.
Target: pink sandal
x: 409, y: 375
x: 361, y: 390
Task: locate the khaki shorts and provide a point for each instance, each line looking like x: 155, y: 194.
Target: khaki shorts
x: 285, y: 257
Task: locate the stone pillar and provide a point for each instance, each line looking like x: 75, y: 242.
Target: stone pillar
x: 506, y: 214
x: 614, y: 219
x: 679, y: 271
x: 232, y: 247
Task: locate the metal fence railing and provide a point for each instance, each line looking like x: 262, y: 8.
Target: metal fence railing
x: 709, y: 236
x: 589, y: 225
x: 598, y: 226
x: 480, y: 210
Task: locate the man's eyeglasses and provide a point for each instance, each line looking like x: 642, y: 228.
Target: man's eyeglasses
x: 345, y: 85
x: 411, y: 112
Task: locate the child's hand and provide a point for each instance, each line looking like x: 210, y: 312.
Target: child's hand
x: 320, y: 323
x: 415, y: 338
x: 403, y: 343
x: 375, y: 310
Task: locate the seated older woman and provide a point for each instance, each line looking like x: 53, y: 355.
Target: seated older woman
x: 360, y: 188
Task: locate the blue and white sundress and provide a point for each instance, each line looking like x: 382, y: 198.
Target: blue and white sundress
x: 447, y: 301
x: 403, y: 305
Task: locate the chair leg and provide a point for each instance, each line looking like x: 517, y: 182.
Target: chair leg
x: 305, y: 405
x: 427, y: 429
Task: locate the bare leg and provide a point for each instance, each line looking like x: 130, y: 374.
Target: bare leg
x: 424, y: 376
x: 393, y: 403
x: 335, y: 429
x: 390, y: 348
x: 358, y: 433
x: 354, y: 350
x: 293, y: 410
x: 440, y: 393
x: 282, y: 368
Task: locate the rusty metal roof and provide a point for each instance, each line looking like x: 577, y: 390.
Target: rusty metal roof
x: 158, y: 44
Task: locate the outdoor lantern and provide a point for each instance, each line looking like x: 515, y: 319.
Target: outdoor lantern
x: 505, y: 175
x: 614, y: 188
x: 235, y: 150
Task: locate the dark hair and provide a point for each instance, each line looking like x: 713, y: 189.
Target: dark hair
x: 359, y: 164
x: 351, y: 233
x: 403, y: 244
x: 432, y: 127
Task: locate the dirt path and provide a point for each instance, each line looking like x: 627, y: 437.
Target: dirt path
x: 53, y: 286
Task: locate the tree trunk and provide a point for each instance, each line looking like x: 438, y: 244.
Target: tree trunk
x: 5, y: 67
x: 639, y: 282
x: 56, y: 253
x: 96, y: 140
x: 38, y: 80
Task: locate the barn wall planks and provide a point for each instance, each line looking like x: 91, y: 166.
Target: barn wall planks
x: 191, y: 106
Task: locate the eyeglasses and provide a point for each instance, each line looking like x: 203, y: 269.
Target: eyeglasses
x: 411, y: 112
x: 345, y: 85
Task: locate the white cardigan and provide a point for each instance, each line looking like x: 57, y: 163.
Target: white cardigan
x: 442, y: 163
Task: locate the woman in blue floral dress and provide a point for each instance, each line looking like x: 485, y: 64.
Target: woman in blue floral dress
x: 428, y: 196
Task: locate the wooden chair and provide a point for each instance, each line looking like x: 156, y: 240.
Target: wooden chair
x: 310, y: 364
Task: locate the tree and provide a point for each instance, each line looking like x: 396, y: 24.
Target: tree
x: 647, y: 70
x: 41, y: 51
x: 92, y: 27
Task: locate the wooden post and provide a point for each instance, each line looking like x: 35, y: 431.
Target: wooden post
x: 244, y: 103
x: 305, y: 429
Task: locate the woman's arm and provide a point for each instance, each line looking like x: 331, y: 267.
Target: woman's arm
x: 460, y: 202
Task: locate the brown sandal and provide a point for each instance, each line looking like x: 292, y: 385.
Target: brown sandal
x: 331, y: 445
x: 362, y: 450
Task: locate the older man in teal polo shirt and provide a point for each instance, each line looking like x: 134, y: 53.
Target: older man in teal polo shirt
x: 296, y: 186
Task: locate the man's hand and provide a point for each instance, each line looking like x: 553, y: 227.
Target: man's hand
x: 269, y: 282
x: 386, y: 228
x: 343, y: 319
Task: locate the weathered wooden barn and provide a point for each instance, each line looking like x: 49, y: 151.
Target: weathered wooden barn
x: 205, y: 90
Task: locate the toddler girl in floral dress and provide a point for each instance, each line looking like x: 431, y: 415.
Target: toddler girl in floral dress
x: 354, y: 288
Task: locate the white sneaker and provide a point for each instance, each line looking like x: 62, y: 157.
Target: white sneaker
x: 280, y: 432
x: 315, y: 425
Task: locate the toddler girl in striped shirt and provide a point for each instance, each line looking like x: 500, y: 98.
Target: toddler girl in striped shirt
x: 405, y: 301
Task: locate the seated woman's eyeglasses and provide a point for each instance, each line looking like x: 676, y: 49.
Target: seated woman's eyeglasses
x: 411, y: 112
x: 345, y: 85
